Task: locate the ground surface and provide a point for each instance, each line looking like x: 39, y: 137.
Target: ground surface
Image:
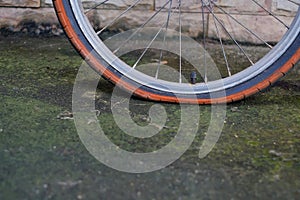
x: 42, y: 157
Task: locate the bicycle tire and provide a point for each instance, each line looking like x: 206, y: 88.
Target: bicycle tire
x: 235, y: 89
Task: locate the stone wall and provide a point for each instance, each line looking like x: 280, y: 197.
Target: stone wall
x: 38, y: 16
x: 28, y: 16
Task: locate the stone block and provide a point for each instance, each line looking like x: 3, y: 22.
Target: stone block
x: 264, y: 26
x: 36, y: 22
x: 243, y: 6
x: 287, y: 8
x: 120, y: 4
x: 20, y: 3
x: 191, y: 23
x: 186, y: 6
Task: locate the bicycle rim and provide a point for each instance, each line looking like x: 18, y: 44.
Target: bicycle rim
x: 244, y: 83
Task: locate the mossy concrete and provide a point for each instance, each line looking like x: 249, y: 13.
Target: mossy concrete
x: 42, y: 156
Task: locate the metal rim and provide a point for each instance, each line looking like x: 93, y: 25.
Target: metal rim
x: 184, y: 88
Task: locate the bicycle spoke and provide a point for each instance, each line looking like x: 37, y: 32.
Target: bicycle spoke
x: 204, y: 42
x: 241, y: 24
x: 293, y: 1
x: 118, y: 17
x: 142, y: 26
x: 222, y: 47
x: 94, y: 7
x: 164, y: 40
x: 270, y: 13
x: 180, y: 47
x: 230, y: 35
x: 148, y: 46
x: 150, y: 43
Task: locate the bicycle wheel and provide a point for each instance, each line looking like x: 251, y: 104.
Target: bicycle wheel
x: 86, y: 24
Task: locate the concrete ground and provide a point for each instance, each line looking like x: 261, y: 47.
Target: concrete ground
x: 42, y: 156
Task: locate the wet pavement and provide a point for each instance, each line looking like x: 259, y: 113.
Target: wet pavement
x: 42, y: 157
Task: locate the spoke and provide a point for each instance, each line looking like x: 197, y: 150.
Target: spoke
x: 142, y: 26
x: 164, y: 40
x: 118, y: 17
x: 180, y: 42
x: 146, y: 49
x: 270, y: 13
x: 99, y: 4
x: 293, y: 1
x: 230, y: 35
x: 222, y: 46
x: 204, y: 42
x: 249, y: 31
x: 150, y: 43
x: 148, y: 46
